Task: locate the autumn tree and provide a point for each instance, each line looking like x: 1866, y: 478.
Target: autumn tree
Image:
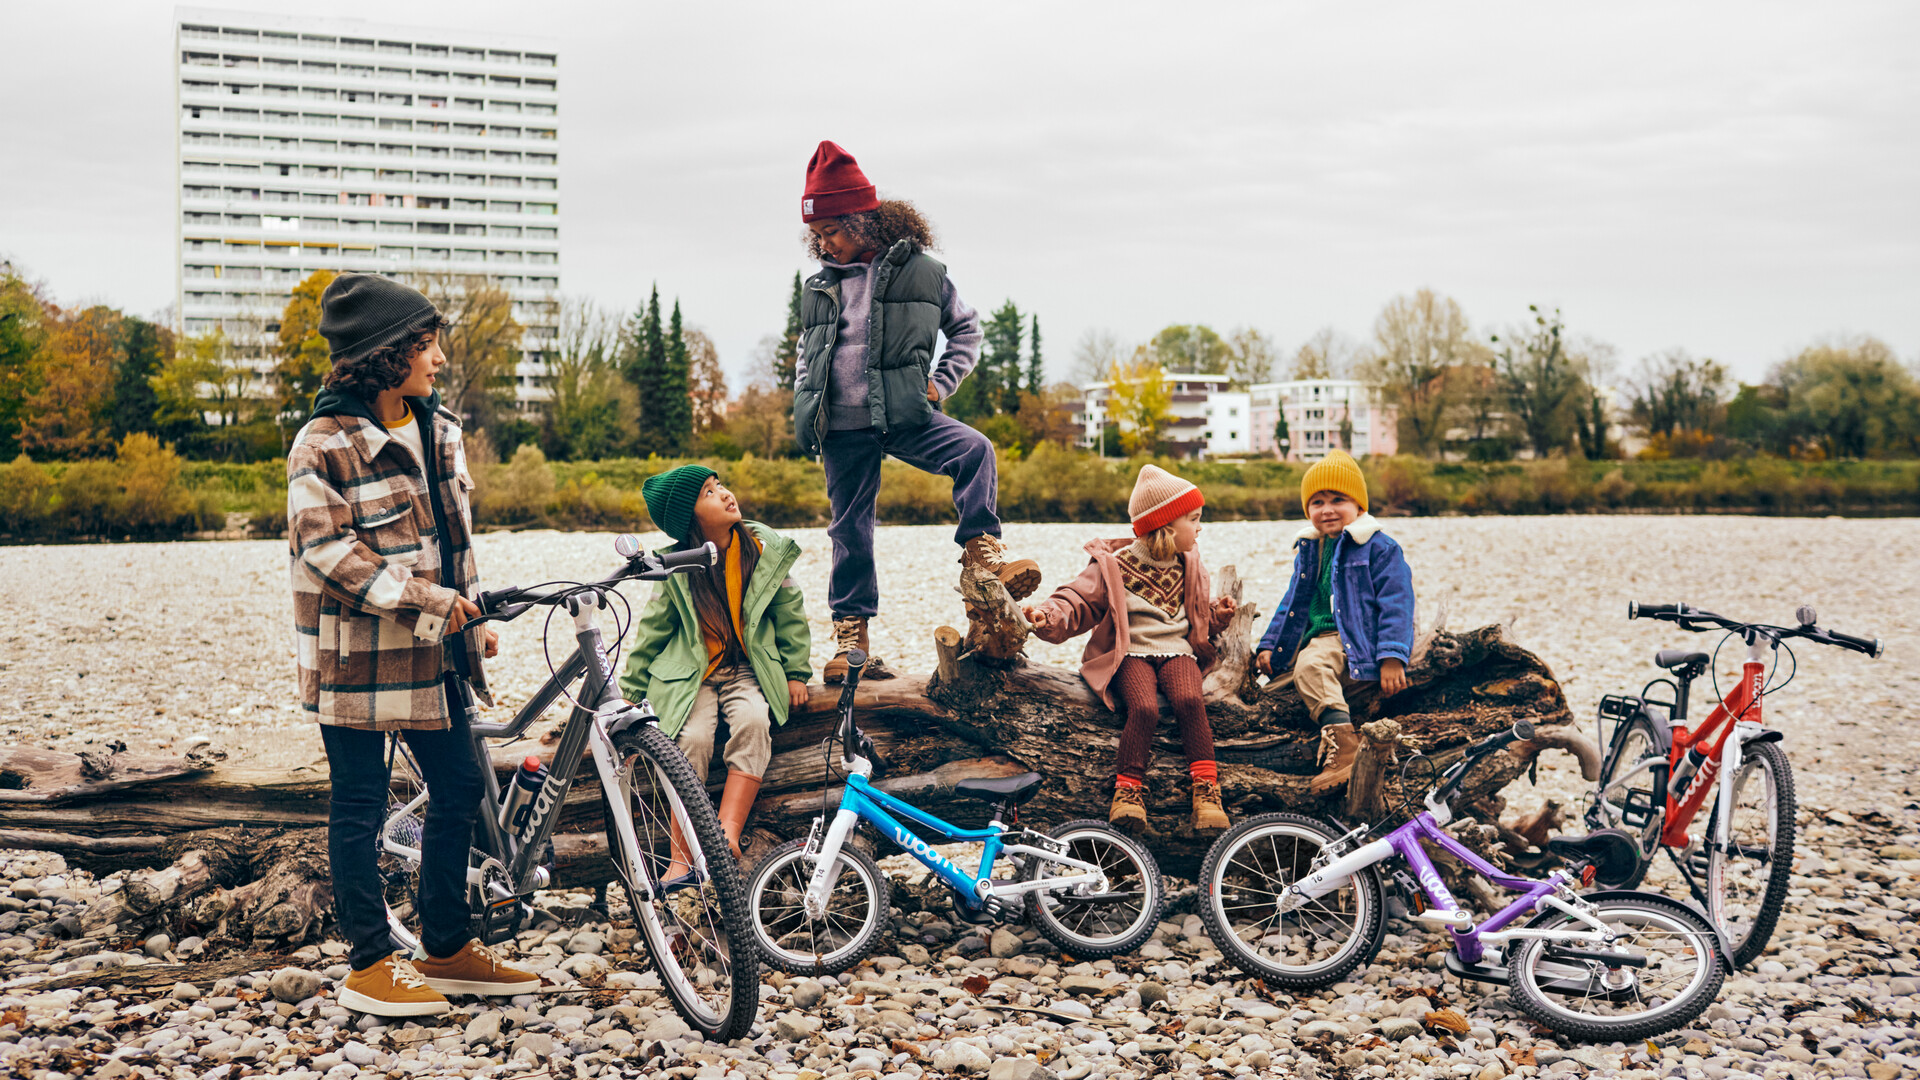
x: 23, y: 340
x: 1252, y: 358
x: 482, y: 346
x: 707, y: 381
x: 69, y: 414
x: 1539, y: 378
x: 302, y: 357
x: 1675, y: 392
x: 761, y: 422
x: 1328, y: 354
x: 1094, y: 356
x: 1417, y: 340
x: 593, y: 410
x: 1139, y: 401
x: 202, y: 396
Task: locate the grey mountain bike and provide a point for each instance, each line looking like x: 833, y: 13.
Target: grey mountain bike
x: 691, y: 918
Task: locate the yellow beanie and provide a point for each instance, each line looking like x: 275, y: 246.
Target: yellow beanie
x: 1335, y: 472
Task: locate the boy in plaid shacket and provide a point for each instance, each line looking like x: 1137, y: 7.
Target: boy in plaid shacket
x: 380, y: 532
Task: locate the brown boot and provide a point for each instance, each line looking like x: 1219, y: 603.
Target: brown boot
x: 848, y: 633
x: 1208, y: 814
x: 1020, y: 576
x: 1338, y: 745
x: 1129, y: 810
x: 736, y: 802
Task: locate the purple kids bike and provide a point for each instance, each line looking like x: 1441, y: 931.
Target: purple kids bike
x: 1293, y: 901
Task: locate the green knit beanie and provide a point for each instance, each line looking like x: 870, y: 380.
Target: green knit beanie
x: 670, y: 497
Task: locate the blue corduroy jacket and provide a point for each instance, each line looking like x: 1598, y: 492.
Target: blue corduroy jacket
x: 1372, y: 600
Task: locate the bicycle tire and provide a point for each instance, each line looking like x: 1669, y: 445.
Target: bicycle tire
x: 1526, y: 959
x: 1749, y: 936
x: 1633, y: 741
x: 711, y: 916
x: 1307, y: 838
x: 1081, y: 838
x: 782, y: 875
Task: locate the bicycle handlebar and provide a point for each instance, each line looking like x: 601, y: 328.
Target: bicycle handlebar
x: 501, y: 605
x: 1693, y: 618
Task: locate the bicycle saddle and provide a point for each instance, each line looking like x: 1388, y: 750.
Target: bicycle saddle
x: 1017, y: 790
x: 1679, y: 658
x: 1612, y: 852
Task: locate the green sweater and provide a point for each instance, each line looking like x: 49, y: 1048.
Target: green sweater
x: 1320, y: 612
x: 669, y: 656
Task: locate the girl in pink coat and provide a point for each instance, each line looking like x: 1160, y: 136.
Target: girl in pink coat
x: 1146, y: 602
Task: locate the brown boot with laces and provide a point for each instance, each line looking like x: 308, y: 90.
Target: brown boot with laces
x: 988, y: 553
x: 1209, y: 815
x: 1129, y: 810
x: 1339, y: 745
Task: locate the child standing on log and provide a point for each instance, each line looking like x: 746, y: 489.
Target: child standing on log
x: 1146, y: 599
x: 867, y: 386
x: 383, y: 572
x: 726, y: 643
x: 1346, y: 625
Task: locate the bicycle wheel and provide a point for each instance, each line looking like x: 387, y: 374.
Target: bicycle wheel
x: 1633, y: 742
x: 1676, y: 974
x: 696, y: 935
x: 1316, y: 944
x: 1093, y: 922
x: 788, y: 938
x: 1747, y: 884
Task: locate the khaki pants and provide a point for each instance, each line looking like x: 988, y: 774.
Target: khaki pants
x: 731, y: 693
x: 1320, y: 674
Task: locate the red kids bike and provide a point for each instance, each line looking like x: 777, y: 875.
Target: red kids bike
x: 1658, y: 773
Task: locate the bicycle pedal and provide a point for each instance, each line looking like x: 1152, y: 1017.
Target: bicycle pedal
x: 1455, y: 920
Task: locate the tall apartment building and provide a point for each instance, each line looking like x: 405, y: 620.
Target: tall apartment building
x: 315, y: 143
x: 1206, y: 417
x: 1323, y: 414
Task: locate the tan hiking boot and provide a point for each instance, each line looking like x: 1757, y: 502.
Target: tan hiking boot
x: 1020, y: 576
x: 475, y: 969
x: 851, y: 633
x: 391, y: 987
x: 1129, y: 810
x: 1338, y: 745
x: 1208, y: 814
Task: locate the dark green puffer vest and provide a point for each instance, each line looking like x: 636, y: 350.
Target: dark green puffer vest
x: 903, y: 326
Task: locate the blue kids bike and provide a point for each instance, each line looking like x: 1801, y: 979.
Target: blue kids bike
x: 820, y: 905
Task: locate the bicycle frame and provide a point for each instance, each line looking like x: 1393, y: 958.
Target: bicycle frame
x: 587, y: 733
x: 860, y: 800
x: 1469, y: 941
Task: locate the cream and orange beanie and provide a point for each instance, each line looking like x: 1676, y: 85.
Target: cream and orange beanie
x: 1335, y: 472
x: 1159, y: 497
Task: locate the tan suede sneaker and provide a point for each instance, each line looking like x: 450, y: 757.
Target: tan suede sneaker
x: 475, y: 969
x: 391, y: 988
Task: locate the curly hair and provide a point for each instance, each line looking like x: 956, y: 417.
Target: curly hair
x: 386, y: 367
x: 879, y: 229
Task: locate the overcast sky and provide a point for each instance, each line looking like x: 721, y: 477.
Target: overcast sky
x: 1735, y: 179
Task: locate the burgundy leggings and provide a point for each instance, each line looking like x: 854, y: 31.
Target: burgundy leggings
x: 1134, y: 684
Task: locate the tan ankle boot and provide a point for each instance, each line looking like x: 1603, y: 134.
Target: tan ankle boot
x: 736, y: 802
x: 849, y: 633
x: 1338, y: 745
x: 1020, y: 576
x: 1129, y: 810
x: 1208, y: 813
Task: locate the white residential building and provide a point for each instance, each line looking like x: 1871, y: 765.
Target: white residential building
x: 1208, y: 419
x: 1323, y: 414
x: 316, y: 143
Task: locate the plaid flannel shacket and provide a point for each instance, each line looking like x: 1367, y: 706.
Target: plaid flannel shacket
x: 370, y: 597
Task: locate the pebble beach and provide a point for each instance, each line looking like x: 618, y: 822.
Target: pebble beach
x: 157, y: 644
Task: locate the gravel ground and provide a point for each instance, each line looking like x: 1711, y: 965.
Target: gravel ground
x: 153, y: 643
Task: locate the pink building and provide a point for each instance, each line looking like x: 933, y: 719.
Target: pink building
x: 1322, y: 414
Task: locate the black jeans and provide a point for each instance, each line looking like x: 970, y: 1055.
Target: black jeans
x: 357, y: 761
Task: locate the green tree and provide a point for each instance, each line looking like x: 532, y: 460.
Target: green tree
x: 23, y: 341
x: 786, y: 356
x: 1197, y: 348
x: 593, y: 411
x: 1000, y: 358
x: 1036, y: 367
x: 1852, y: 398
x: 644, y: 361
x: 302, y: 355
x: 1418, y: 340
x: 1757, y: 416
x: 1539, y: 379
x: 673, y: 408
x: 202, y: 396
x: 1676, y: 393
x: 145, y: 350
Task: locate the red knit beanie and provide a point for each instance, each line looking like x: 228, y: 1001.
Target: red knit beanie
x: 1159, y: 497
x: 835, y: 185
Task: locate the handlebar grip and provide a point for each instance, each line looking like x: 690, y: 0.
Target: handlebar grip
x: 1872, y: 647
x: 492, y: 600
x: 1523, y: 731
x: 1638, y: 610
x: 692, y: 558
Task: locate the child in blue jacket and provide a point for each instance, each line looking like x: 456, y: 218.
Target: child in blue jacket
x: 1346, y: 625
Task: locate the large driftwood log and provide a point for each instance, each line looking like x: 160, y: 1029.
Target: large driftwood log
x: 260, y: 834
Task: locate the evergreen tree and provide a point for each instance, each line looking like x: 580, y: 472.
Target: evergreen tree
x: 786, y: 358
x: 146, y: 348
x: 643, y: 360
x: 1000, y: 360
x: 673, y: 426
x: 1036, y: 367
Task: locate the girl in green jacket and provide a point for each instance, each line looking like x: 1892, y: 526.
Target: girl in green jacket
x: 727, y: 643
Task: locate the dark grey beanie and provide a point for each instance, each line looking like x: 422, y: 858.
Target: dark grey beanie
x: 363, y: 312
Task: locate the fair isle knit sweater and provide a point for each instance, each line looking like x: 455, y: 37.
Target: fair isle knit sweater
x: 1157, y: 622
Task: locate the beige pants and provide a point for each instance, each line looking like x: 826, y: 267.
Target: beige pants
x: 1320, y: 674
x: 731, y: 693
